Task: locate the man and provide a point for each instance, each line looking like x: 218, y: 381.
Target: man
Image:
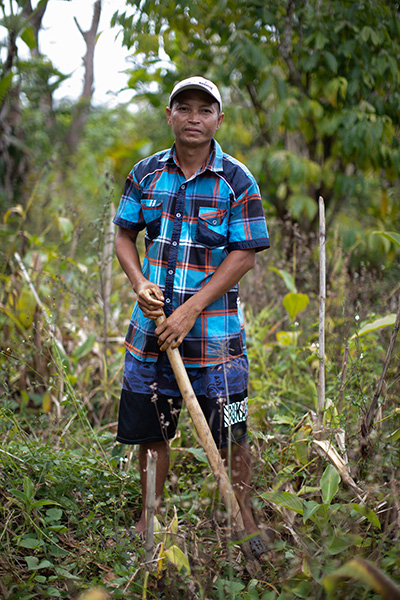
x: 204, y: 221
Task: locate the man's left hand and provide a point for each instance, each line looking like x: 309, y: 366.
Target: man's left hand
x: 173, y: 330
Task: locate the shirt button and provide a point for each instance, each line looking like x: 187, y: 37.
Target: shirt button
x: 178, y: 215
x: 170, y: 272
x: 174, y: 243
x: 183, y: 186
x: 215, y: 222
x: 167, y: 300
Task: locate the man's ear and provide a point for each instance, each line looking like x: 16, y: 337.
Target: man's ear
x: 168, y: 114
x: 220, y: 119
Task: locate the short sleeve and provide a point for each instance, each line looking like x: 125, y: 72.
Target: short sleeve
x: 129, y: 214
x: 247, y: 226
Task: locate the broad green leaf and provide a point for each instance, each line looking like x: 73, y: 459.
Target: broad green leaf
x: 329, y: 484
x: 302, y: 205
x: 178, y: 558
x: 5, y: 83
x: 378, y: 324
x: 34, y: 564
x: 64, y: 573
x: 54, y: 514
x: 287, y: 278
x: 390, y: 235
x: 365, y: 572
x: 285, y: 499
x: 368, y: 513
x: 28, y: 488
x: 84, y: 348
x: 338, y: 544
x: 26, y: 307
x: 31, y: 543
x: 295, y: 303
x: 331, y: 61
x: 66, y: 227
x: 395, y: 435
x: 28, y: 36
x: 287, y: 338
x: 310, y: 508
x: 199, y: 454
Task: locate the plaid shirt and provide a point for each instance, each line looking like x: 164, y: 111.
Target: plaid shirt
x: 191, y: 226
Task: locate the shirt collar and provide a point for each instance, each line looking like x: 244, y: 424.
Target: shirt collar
x: 214, y: 161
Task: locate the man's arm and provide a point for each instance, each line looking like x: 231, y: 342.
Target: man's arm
x: 174, y: 329
x: 149, y: 296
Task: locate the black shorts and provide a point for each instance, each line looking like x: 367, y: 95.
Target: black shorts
x: 151, y: 401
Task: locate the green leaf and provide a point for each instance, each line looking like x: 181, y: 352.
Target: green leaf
x: 66, y: 227
x: 365, y: 572
x: 287, y: 278
x: 54, y: 514
x: 300, y: 205
x: 178, y: 558
x: 28, y: 488
x: 329, y: 484
x: 390, y: 235
x: 31, y: 543
x: 28, y: 36
x: 84, y: 348
x: 199, y: 454
x: 368, y: 513
x: 5, y: 83
x: 338, y: 544
x: 395, y: 435
x: 331, y: 61
x: 310, y: 508
x: 378, y: 324
x: 32, y: 562
x: 295, y: 303
x: 64, y: 573
x: 287, y: 338
x: 39, y: 503
x: 285, y: 499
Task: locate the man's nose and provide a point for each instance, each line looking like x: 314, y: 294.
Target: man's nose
x: 194, y: 115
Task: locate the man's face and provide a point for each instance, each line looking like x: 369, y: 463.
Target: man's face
x: 194, y: 118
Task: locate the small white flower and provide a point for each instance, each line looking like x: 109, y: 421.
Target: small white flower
x: 357, y: 318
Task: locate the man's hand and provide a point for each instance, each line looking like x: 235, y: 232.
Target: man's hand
x: 150, y: 299
x: 173, y: 330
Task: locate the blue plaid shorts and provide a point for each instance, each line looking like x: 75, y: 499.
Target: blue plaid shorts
x: 151, y: 401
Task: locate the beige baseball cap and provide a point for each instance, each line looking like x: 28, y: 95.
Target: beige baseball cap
x: 197, y: 83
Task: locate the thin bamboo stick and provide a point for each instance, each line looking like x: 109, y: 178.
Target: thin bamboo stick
x: 322, y: 298
x: 150, y: 503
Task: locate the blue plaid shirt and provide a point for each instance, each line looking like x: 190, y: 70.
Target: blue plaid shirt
x: 191, y: 226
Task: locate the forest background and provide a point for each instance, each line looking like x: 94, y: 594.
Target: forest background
x: 311, y: 93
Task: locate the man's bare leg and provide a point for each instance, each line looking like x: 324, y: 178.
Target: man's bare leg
x: 162, y: 468
x: 241, y: 478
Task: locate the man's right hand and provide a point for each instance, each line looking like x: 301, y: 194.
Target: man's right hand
x: 150, y: 299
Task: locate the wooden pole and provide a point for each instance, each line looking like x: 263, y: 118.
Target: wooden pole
x: 150, y: 503
x: 206, y: 439
x: 322, y: 297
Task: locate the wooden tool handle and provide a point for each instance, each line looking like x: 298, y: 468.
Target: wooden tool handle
x: 204, y: 433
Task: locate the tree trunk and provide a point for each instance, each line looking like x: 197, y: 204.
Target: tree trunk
x: 82, y: 109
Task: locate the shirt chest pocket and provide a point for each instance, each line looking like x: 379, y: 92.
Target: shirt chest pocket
x: 212, y: 227
x: 152, y: 211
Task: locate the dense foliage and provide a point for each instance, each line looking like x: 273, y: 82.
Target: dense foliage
x: 311, y: 101
x: 315, y: 87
